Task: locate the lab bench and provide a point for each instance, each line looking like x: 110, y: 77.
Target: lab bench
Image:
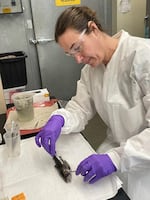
x: 41, y: 161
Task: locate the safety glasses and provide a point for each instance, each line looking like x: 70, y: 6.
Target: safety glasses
x: 77, y: 46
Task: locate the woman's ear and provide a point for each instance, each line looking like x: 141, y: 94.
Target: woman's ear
x: 92, y: 26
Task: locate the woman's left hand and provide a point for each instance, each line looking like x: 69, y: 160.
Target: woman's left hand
x: 95, y: 167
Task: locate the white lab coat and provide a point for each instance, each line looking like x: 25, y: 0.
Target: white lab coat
x: 120, y: 94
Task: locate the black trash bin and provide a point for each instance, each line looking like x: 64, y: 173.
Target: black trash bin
x: 13, y: 69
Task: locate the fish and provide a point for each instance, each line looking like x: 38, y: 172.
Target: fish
x: 63, y: 168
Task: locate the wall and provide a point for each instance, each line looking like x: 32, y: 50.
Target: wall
x: 133, y: 21
x: 16, y: 33
x: 14, y: 36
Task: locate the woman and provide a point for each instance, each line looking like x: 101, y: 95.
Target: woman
x: 115, y: 83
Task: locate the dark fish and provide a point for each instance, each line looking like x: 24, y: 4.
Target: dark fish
x: 63, y: 168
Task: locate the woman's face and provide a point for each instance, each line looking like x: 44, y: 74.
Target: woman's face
x: 86, y: 49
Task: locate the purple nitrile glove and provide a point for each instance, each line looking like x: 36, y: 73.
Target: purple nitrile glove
x: 49, y: 134
x: 95, y: 167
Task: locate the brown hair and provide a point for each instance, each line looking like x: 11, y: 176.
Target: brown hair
x: 76, y: 18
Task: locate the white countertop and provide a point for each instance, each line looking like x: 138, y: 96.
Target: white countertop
x: 34, y: 174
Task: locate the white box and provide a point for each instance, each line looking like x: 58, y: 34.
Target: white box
x: 40, y: 95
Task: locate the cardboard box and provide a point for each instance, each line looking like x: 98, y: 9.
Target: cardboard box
x: 9, y: 92
x: 2, y: 99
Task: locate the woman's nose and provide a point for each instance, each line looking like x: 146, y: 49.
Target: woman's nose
x: 78, y: 58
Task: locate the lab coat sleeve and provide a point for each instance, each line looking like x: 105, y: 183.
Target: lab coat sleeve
x: 134, y: 154
x: 80, y: 108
